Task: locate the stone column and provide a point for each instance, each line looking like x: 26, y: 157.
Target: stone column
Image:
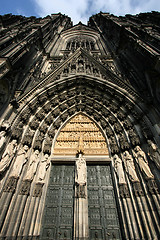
x: 81, y: 230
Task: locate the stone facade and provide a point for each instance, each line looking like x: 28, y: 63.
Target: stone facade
x: 84, y: 92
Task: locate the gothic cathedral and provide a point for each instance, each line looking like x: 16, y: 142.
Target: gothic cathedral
x: 79, y: 127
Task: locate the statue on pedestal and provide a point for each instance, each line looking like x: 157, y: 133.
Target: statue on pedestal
x: 141, y: 159
x: 130, y: 168
x: 44, y: 165
x: 119, y: 169
x: 21, y: 159
x: 8, y: 155
x: 32, y: 167
x: 154, y: 153
x: 81, y: 177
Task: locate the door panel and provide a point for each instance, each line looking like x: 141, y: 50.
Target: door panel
x: 58, y: 212
x: 103, y: 217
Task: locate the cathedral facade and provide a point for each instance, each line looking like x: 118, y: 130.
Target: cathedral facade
x: 79, y: 127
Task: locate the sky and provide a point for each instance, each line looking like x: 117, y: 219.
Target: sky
x: 78, y: 10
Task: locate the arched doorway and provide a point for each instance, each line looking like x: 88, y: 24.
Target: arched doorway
x: 80, y: 202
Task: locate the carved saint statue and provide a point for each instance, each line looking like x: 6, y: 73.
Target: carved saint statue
x: 119, y: 169
x: 32, y: 167
x: 2, y: 139
x: 154, y: 153
x: 8, y: 156
x: 44, y: 165
x: 130, y: 168
x: 81, y: 176
x: 5, y: 125
x: 21, y: 159
x: 141, y: 159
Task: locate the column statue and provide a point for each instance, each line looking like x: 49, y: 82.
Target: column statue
x: 32, y: 167
x: 141, y: 159
x: 44, y: 165
x: 119, y: 169
x: 130, y: 168
x: 154, y: 153
x: 5, y: 126
x: 21, y: 159
x: 8, y: 155
x: 81, y: 176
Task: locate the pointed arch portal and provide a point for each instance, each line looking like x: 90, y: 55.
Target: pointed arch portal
x: 84, y: 208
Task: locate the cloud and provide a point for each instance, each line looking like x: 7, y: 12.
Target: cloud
x: 81, y: 10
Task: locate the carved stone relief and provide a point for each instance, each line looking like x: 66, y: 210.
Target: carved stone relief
x: 93, y: 140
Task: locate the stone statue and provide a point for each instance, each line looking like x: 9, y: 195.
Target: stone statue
x: 32, y: 167
x: 119, y: 169
x: 130, y: 168
x: 8, y: 156
x: 81, y: 176
x: 154, y: 153
x: 44, y: 165
x: 2, y: 139
x: 21, y: 159
x: 142, y: 162
x: 5, y: 126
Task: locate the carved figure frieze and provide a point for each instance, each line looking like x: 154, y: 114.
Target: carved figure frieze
x: 32, y: 167
x: 21, y: 159
x: 129, y: 166
x: 119, y: 169
x: 8, y: 155
x: 154, y: 153
x: 142, y: 161
x: 68, y: 139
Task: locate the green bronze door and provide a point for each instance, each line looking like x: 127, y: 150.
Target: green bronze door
x: 103, y: 217
x: 58, y: 213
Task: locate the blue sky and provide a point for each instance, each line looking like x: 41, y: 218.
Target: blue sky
x: 78, y: 10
